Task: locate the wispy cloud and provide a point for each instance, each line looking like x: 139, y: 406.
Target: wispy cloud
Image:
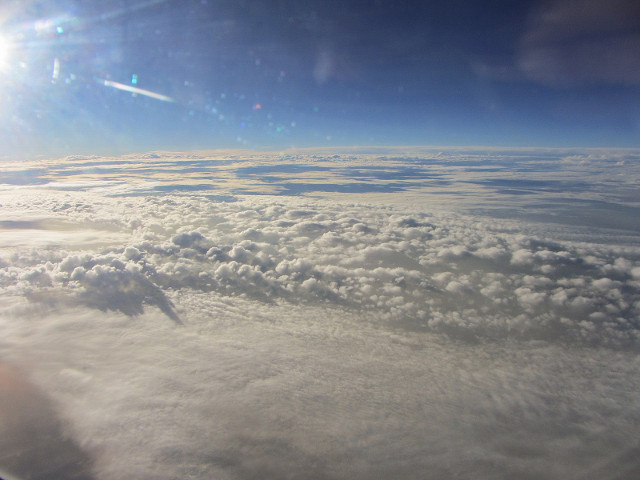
x: 580, y: 43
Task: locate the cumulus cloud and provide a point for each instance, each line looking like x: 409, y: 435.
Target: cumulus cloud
x: 334, y: 337
x: 398, y: 269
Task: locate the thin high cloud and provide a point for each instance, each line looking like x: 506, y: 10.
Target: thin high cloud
x: 571, y: 43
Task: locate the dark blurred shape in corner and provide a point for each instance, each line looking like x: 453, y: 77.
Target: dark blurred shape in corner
x: 33, y: 445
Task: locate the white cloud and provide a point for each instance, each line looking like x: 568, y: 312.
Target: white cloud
x: 321, y: 337
x: 452, y: 267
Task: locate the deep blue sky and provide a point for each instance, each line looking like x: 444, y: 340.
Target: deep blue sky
x: 283, y: 73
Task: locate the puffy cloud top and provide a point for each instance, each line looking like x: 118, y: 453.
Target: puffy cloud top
x: 440, y: 273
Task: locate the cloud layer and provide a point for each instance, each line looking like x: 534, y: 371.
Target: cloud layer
x: 207, y: 333
x: 458, y: 275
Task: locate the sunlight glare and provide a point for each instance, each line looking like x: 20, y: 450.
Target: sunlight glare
x: 5, y: 50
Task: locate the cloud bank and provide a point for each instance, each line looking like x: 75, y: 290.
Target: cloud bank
x: 463, y: 276
x: 210, y: 333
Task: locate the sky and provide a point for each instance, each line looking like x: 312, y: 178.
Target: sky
x: 127, y: 76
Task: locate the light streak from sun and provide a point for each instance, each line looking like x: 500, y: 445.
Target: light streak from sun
x: 136, y: 90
